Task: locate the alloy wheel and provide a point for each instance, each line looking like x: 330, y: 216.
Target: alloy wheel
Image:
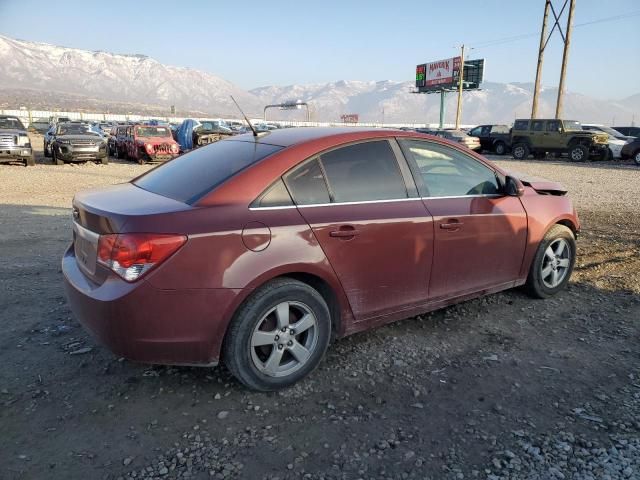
x: 556, y: 263
x: 637, y: 158
x: 577, y: 154
x: 284, y: 339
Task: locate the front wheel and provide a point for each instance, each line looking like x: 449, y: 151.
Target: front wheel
x: 578, y: 153
x: 553, y: 263
x: 278, y: 336
x: 30, y: 161
x: 55, y: 158
x: 636, y: 157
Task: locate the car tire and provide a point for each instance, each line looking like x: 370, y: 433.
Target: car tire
x: 55, y: 158
x: 104, y: 160
x: 30, y: 161
x: 553, y: 263
x: 500, y: 148
x: 578, y: 153
x: 520, y: 151
x: 258, y: 349
x: 636, y: 157
x: 47, y: 154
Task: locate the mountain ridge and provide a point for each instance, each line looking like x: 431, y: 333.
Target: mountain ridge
x: 117, y: 81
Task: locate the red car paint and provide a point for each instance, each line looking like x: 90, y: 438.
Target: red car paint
x: 408, y: 257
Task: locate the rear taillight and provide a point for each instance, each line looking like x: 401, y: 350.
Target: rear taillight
x: 131, y: 255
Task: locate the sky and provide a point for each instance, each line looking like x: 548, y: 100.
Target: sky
x: 281, y: 42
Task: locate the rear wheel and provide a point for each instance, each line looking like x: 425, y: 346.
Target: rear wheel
x: 278, y: 336
x: 520, y: 151
x: 578, y: 153
x: 500, y: 148
x: 636, y: 157
x: 553, y: 263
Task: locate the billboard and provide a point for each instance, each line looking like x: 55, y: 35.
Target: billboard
x: 444, y: 75
x: 350, y: 118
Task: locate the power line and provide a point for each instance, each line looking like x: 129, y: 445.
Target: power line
x: 515, y: 38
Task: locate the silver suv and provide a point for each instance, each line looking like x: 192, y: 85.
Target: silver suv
x: 15, y: 144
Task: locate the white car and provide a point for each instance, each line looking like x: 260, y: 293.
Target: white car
x: 616, y: 139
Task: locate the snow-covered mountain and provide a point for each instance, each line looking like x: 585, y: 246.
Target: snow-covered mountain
x: 114, y: 77
x: 130, y: 82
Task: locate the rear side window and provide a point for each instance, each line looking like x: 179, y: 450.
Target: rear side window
x: 194, y: 174
x: 364, y: 171
x: 537, y: 125
x: 521, y: 125
x: 306, y: 184
x: 276, y: 195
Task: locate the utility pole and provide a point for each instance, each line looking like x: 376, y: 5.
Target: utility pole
x: 543, y: 34
x: 442, y: 94
x: 565, y: 58
x: 460, y: 85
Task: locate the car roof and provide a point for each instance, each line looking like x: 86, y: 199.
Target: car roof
x: 286, y: 137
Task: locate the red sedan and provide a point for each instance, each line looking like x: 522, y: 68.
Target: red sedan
x: 258, y: 250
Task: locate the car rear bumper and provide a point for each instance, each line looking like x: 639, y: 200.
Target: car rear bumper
x: 8, y: 154
x: 146, y: 324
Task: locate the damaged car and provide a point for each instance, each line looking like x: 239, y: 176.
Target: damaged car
x: 150, y: 143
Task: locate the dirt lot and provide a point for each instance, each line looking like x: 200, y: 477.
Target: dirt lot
x: 499, y: 387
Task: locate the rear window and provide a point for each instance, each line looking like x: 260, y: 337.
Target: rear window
x: 192, y: 175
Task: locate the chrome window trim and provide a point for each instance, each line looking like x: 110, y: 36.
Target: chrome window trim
x: 366, y: 202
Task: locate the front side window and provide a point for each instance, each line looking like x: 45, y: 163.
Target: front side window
x: 446, y: 172
x: 521, y: 125
x: 363, y: 172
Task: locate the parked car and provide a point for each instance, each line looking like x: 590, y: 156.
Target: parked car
x: 630, y: 131
x: 150, y: 143
x: 539, y: 137
x: 116, y: 143
x: 258, y: 250
x: 459, y: 136
x: 39, y: 125
x: 632, y: 150
x: 54, y: 119
x: 15, y: 144
x: 493, y: 138
x: 613, y: 133
x: 77, y: 142
x: 615, y: 141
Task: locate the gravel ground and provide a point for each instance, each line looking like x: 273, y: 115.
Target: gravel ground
x: 501, y: 387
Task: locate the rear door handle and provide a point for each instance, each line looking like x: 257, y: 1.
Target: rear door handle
x: 453, y: 226
x: 344, y: 232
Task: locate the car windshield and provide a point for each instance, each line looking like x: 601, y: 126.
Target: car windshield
x: 189, y: 177
x: 75, y: 129
x: 572, y: 125
x: 11, y: 122
x: 153, y: 132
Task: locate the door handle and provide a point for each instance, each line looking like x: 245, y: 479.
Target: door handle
x: 453, y: 225
x: 344, y: 232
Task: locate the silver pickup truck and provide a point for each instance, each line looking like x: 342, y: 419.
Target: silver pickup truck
x: 15, y: 144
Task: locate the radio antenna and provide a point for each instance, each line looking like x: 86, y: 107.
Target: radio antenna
x: 255, y: 133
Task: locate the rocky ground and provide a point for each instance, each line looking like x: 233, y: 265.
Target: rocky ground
x: 502, y: 387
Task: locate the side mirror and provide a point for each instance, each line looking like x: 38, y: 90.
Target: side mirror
x: 513, y: 187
